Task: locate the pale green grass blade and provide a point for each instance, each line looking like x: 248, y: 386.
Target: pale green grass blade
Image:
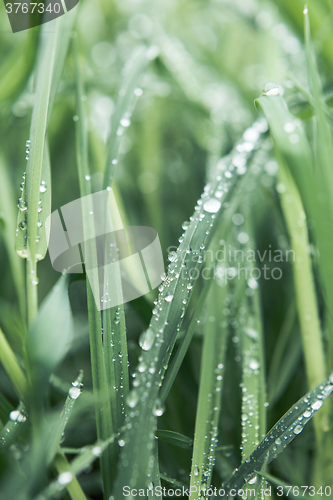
x: 12, y: 367
x: 48, y: 72
x: 73, y: 487
x: 101, y: 386
x: 210, y: 390
x: 7, y: 207
x: 16, y: 67
x: 283, y: 432
x: 86, y: 458
x: 122, y: 116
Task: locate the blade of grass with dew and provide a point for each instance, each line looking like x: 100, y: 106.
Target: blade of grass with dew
x: 122, y: 116
x: 84, y: 460
x: 312, y: 339
x: 12, y: 428
x: 7, y: 207
x: 136, y: 460
x: 114, y: 327
x: 253, y: 365
x: 283, y: 432
x: 210, y: 390
x: 47, y: 77
x: 324, y: 161
x: 72, y: 485
x: 57, y: 433
x: 101, y: 386
x: 213, y: 248
x: 288, y: 152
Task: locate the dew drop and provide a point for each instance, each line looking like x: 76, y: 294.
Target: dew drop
x: 43, y: 187
x: 125, y: 122
x: 173, y: 257
x: 23, y: 225
x: 253, y: 364
x: 212, y: 205
x: 74, y: 392
x: 159, y: 408
x: 121, y: 443
x: 22, y: 205
x: 132, y: 399
x: 65, y: 478
x: 298, y: 429
x: 168, y: 298
x: 87, y: 177
x: 146, y: 340
x: 317, y: 404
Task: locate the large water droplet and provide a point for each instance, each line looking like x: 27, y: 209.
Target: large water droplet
x: 298, y: 429
x: 212, y: 205
x: 159, y: 408
x: 74, y: 392
x: 168, y: 298
x: 132, y: 399
x: 146, y: 340
x: 65, y: 478
x: 173, y: 257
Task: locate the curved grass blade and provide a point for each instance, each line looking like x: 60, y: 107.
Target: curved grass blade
x: 283, y: 432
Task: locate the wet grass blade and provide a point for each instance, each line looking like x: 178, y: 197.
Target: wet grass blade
x: 8, y: 233
x: 101, y: 386
x: 57, y: 434
x: 210, y: 390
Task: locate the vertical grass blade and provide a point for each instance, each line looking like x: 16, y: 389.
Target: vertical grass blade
x: 210, y: 390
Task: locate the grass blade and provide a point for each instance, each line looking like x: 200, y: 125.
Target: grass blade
x: 283, y: 432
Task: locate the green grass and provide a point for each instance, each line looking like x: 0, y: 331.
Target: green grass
x: 210, y: 380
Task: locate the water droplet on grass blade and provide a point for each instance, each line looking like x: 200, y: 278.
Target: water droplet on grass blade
x: 132, y: 399
x: 146, y: 340
x: 65, y: 478
x: 74, y: 392
x: 212, y: 205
